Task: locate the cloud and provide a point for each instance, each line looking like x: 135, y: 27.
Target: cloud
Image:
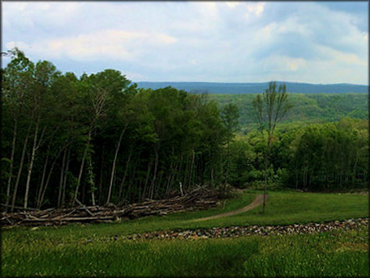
x: 341, y: 57
x: 255, y: 8
x: 232, y: 4
x: 196, y: 41
x: 25, y: 15
x: 295, y: 64
x: 105, y: 44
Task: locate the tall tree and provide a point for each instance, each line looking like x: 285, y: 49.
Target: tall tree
x: 44, y: 75
x: 16, y: 88
x: 269, y: 109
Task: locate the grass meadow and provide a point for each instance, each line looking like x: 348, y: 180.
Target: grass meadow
x: 91, y: 250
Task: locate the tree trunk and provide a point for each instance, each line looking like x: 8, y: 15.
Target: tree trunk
x: 120, y: 193
x: 146, y: 180
x: 80, y: 175
x: 20, y: 169
x: 227, y: 166
x: 212, y: 182
x: 30, y: 166
x: 47, y: 183
x: 354, y: 170
x: 191, y: 168
x: 65, y: 178
x: 49, y: 176
x: 265, y: 185
x: 180, y: 187
x: 100, y: 185
x: 266, y: 160
x: 11, y: 163
x: 91, y: 181
x: 169, y: 178
x: 114, y: 165
x: 61, y: 178
x: 39, y: 193
x: 186, y: 172
x: 157, y: 189
x: 81, y: 168
x: 155, y: 172
x: 128, y: 194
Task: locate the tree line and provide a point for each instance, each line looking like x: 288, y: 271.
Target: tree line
x: 318, y: 157
x: 98, y: 139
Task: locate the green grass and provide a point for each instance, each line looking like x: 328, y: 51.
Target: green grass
x: 340, y: 253
x: 285, y: 207
x: 90, y: 250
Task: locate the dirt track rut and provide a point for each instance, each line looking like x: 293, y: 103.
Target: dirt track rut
x: 257, y: 201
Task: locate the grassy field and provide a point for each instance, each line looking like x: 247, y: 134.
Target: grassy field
x: 88, y: 250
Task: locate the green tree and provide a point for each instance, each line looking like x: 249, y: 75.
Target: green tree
x: 269, y: 109
x: 16, y: 82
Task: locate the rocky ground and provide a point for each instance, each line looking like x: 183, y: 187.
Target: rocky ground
x: 238, y: 231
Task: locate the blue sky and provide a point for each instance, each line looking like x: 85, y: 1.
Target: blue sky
x: 316, y: 42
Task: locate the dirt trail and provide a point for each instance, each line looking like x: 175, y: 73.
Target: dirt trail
x: 257, y: 201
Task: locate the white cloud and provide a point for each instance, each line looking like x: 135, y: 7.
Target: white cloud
x: 31, y: 14
x: 224, y: 41
x: 347, y: 59
x: 283, y: 64
x: 208, y: 8
x: 296, y: 63
x: 105, y: 44
x: 255, y: 8
x: 19, y: 44
x: 232, y: 4
x: 336, y: 69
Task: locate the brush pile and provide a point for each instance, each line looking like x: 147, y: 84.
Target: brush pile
x: 199, y: 198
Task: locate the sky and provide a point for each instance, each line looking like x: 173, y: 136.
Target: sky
x: 314, y: 42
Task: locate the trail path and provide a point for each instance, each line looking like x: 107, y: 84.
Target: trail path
x: 257, y: 201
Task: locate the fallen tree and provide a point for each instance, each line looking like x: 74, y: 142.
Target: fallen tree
x: 197, y: 199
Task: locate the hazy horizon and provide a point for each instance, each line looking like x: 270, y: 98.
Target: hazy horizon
x: 245, y: 82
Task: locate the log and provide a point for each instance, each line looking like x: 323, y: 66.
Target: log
x: 199, y: 198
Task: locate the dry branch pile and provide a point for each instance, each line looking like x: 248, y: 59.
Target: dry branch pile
x: 200, y: 198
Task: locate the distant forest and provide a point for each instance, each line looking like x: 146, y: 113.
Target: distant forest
x: 100, y: 139
x: 253, y: 88
x: 307, y: 108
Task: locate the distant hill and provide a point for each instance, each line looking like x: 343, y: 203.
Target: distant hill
x: 307, y: 108
x: 251, y: 88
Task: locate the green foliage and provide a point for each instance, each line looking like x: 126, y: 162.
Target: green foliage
x: 142, y: 143
x: 307, y: 108
x: 329, y: 157
x: 337, y: 158
x: 271, y: 107
x: 122, y: 141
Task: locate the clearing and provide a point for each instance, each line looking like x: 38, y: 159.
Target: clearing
x: 103, y: 249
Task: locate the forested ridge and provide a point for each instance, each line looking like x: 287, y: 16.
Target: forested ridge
x: 256, y: 88
x: 99, y: 139
x: 307, y: 108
